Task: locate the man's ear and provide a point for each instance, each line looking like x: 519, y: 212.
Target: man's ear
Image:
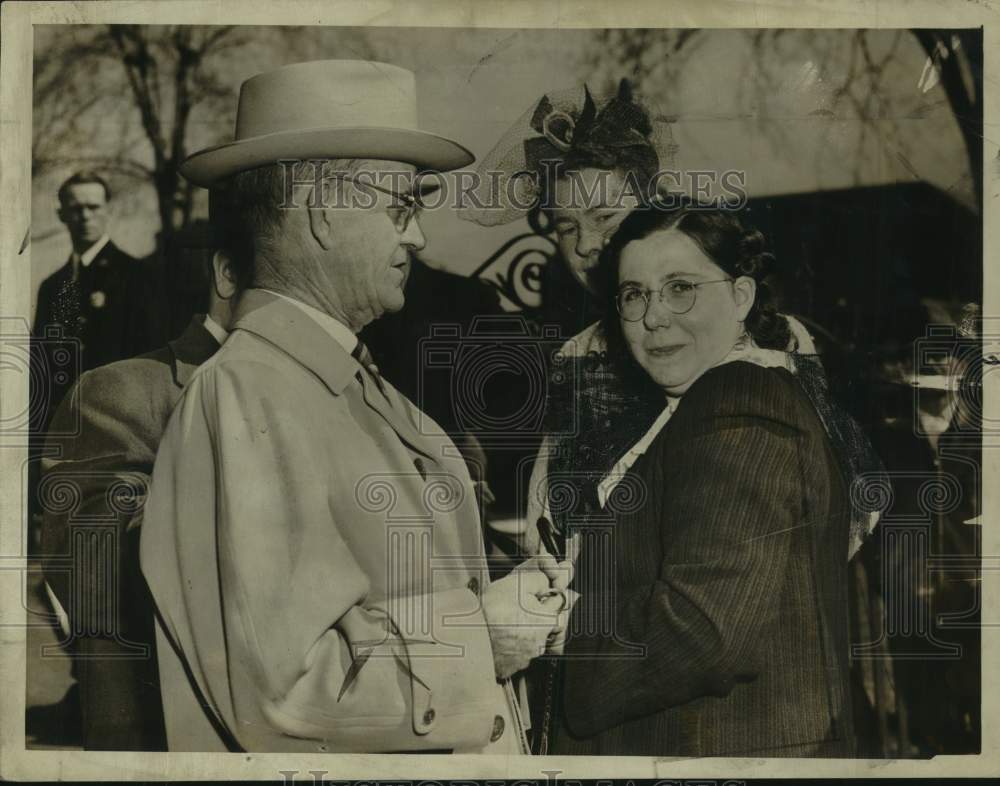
x: 320, y: 225
x: 745, y: 293
x: 223, y: 276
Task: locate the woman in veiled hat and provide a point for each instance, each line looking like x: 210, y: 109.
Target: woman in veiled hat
x: 581, y: 164
x: 573, y: 165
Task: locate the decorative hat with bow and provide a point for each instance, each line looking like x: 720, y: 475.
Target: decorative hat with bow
x: 573, y: 132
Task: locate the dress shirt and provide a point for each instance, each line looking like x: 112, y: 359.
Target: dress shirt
x: 88, y: 256
x: 218, y: 332
x: 338, y: 331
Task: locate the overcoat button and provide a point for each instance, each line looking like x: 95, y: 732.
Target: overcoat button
x: 473, y: 585
x: 498, y: 727
x: 429, y: 717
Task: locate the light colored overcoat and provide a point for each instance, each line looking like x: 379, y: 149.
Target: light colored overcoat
x: 314, y: 548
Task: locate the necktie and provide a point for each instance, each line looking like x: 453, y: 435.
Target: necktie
x: 67, y: 307
x: 361, y: 354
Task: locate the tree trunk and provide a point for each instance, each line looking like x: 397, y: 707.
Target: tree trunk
x: 968, y: 109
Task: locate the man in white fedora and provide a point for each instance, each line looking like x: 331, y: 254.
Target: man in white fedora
x: 311, y: 541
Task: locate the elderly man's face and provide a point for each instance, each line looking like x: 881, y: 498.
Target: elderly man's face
x: 370, y: 260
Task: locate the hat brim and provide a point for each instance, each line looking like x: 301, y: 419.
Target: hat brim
x: 422, y: 149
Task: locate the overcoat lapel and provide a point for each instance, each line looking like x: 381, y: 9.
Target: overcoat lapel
x: 390, y: 407
x: 295, y: 333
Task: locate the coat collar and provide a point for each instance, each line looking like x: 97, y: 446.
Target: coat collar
x: 292, y: 330
x: 88, y: 256
x: 106, y: 254
x: 191, y: 348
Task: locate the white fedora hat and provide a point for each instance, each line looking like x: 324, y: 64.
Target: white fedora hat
x: 326, y: 109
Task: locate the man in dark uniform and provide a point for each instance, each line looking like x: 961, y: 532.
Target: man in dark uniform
x: 107, y: 304
x: 97, y: 296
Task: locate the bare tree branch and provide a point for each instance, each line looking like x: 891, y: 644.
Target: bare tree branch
x: 108, y: 163
x: 136, y: 61
x: 214, y: 37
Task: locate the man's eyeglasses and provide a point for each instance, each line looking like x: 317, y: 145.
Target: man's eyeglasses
x: 403, y: 208
x: 679, y: 295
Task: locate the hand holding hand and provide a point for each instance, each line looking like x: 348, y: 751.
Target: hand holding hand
x: 520, y: 616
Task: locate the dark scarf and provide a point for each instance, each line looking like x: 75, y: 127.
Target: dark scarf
x: 596, y: 416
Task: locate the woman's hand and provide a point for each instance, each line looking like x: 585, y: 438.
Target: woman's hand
x: 521, y: 613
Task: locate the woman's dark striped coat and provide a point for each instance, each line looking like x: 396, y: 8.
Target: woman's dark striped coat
x: 724, y: 581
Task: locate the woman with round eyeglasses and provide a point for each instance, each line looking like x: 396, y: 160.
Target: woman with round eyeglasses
x: 678, y: 296
x: 596, y: 413
x: 713, y: 616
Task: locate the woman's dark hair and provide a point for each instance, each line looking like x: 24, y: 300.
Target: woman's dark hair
x: 725, y: 238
